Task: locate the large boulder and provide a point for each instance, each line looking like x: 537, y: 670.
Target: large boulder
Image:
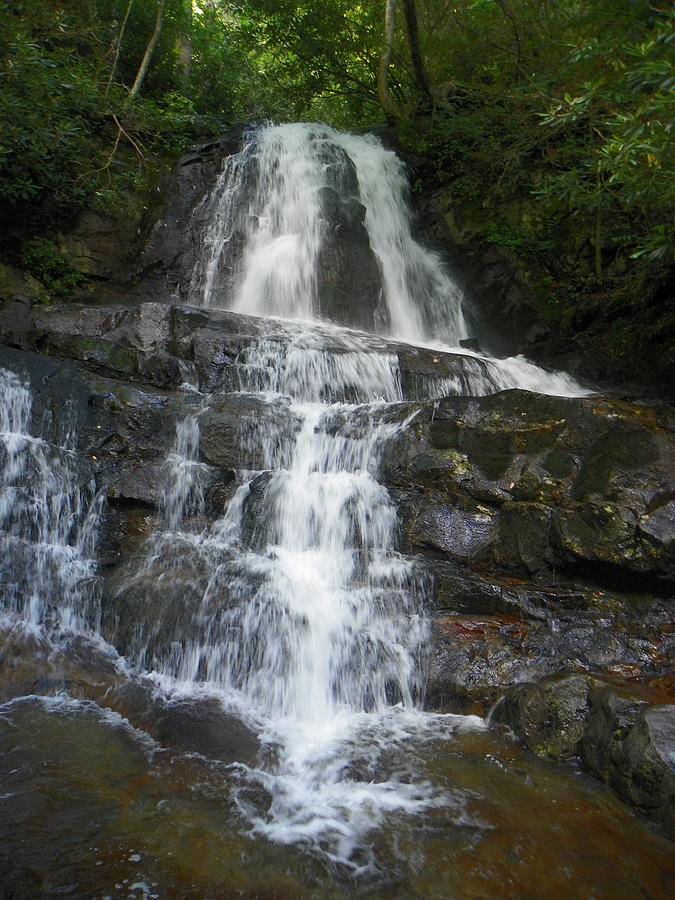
x: 630, y: 744
x: 549, y: 717
x: 618, y: 735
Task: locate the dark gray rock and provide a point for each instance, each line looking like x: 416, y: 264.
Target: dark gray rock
x: 202, y: 726
x: 565, y: 482
x: 489, y: 634
x: 237, y: 430
x: 350, y: 283
x: 105, y: 246
x: 631, y: 746
x: 18, y: 286
x: 459, y: 534
x: 168, y: 258
x: 620, y: 737
x: 548, y: 717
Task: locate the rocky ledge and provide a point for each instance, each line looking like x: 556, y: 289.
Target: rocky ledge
x: 545, y: 524
x: 548, y: 524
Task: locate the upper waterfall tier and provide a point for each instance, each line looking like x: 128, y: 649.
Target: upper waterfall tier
x: 306, y: 222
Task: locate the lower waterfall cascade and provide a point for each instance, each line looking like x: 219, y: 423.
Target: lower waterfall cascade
x: 287, y: 603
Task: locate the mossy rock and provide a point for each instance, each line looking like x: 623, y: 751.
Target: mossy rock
x: 549, y: 717
x: 98, y: 350
x: 621, y: 448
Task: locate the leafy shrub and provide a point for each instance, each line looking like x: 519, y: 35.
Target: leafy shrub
x: 43, y: 259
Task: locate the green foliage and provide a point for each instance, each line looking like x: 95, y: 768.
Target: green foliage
x: 314, y: 60
x: 71, y: 137
x: 43, y: 259
x: 48, y: 107
x: 549, y: 123
x: 617, y: 129
x: 525, y: 245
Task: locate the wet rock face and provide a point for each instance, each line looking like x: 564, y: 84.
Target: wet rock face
x: 630, y: 745
x: 350, y: 285
x: 573, y: 497
x: 30, y: 665
x: 544, y: 524
x: 549, y: 717
x: 168, y: 257
x: 541, y: 483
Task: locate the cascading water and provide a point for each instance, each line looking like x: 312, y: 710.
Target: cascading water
x: 300, y: 607
x: 292, y: 604
x: 49, y: 513
x: 305, y: 615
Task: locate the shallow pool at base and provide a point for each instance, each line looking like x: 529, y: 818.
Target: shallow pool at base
x: 91, y: 807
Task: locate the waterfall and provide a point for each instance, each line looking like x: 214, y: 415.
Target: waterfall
x: 262, y: 245
x: 321, y: 614
x: 265, y: 227
x: 49, y: 514
x: 292, y: 603
x: 302, y: 612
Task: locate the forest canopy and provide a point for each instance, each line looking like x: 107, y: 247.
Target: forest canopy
x: 548, y: 123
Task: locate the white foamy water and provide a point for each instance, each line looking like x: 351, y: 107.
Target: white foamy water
x: 49, y: 514
x: 423, y: 301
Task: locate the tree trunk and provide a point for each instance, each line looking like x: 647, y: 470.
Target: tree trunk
x: 149, y: 50
x: 598, y: 244
x: 118, y: 47
x: 413, y: 33
x: 383, y: 93
x: 514, y: 24
x: 184, y: 45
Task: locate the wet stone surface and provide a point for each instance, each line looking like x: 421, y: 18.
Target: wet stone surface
x: 544, y: 524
